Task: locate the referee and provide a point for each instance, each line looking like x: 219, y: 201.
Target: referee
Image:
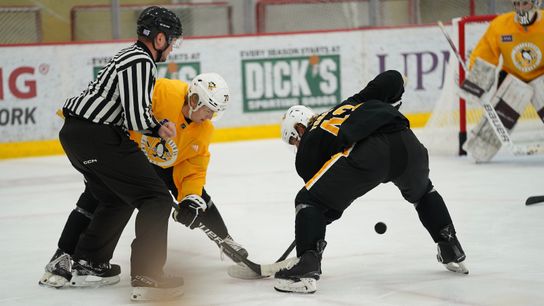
x: 96, y: 141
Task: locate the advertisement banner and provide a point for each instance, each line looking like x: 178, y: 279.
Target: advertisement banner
x: 266, y: 74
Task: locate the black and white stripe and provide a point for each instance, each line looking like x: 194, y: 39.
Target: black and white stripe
x: 121, y: 93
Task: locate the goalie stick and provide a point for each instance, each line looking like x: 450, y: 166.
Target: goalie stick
x: 534, y: 200
x: 491, y: 114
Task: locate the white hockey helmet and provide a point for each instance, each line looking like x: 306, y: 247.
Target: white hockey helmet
x: 295, y: 114
x: 212, y: 91
x: 525, y: 15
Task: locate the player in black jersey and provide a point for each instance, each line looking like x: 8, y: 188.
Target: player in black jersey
x: 347, y: 151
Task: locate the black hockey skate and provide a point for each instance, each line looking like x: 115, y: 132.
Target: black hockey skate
x: 146, y: 288
x: 87, y: 274
x: 58, y: 271
x: 303, y: 275
x: 234, y: 245
x: 450, y: 252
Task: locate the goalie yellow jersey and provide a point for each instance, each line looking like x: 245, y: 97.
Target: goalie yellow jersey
x: 187, y: 152
x: 521, y: 48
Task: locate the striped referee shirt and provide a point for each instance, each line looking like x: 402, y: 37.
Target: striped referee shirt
x: 121, y: 93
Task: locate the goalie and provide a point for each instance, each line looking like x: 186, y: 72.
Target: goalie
x: 517, y: 38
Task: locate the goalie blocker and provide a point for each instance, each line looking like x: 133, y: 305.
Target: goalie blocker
x: 509, y: 101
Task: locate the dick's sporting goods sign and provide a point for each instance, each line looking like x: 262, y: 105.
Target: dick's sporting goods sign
x: 279, y: 83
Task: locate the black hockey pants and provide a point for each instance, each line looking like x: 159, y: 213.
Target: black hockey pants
x: 397, y: 157
x: 121, y: 178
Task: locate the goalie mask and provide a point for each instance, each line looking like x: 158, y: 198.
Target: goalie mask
x: 526, y: 10
x: 295, y: 114
x: 212, y: 91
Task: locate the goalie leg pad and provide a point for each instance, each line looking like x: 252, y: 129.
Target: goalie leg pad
x: 509, y: 102
x: 538, y: 97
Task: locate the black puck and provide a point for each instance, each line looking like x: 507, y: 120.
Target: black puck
x: 380, y: 228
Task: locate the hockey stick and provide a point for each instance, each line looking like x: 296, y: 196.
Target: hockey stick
x: 491, y: 114
x: 261, y: 270
x: 257, y: 268
x: 452, y: 45
x: 288, y: 251
x: 534, y: 200
x: 242, y: 272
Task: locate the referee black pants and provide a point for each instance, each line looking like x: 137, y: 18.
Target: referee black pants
x: 121, y: 179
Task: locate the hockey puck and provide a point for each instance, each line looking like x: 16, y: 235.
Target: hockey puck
x: 380, y: 228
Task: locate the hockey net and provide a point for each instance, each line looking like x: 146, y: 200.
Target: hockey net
x: 307, y: 15
x: 20, y: 24
x: 453, y: 117
x: 94, y: 22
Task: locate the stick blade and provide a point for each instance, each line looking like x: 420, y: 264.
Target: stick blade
x: 243, y: 272
x: 534, y: 200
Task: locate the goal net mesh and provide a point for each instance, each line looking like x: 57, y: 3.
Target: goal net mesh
x: 441, y: 132
x: 20, y: 25
x: 198, y: 19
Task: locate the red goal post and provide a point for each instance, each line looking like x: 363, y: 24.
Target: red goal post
x: 465, y: 48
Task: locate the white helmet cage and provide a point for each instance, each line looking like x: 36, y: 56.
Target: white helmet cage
x: 295, y: 114
x: 212, y: 91
x: 525, y: 16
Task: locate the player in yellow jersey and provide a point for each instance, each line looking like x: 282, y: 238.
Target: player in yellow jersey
x: 181, y: 162
x: 516, y: 38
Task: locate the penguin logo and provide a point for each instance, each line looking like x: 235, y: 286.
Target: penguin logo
x: 159, y: 151
x: 526, y: 56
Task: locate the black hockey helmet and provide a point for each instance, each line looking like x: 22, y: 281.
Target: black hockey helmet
x: 154, y: 20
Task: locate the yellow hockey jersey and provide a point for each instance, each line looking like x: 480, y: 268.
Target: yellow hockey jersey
x: 521, y: 49
x: 188, y: 151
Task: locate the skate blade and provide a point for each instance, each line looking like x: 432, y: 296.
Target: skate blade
x: 243, y: 272
x: 93, y: 281
x: 155, y: 294
x: 303, y: 285
x: 456, y: 267
x: 52, y: 280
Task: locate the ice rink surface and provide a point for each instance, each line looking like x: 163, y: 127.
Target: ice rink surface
x: 254, y: 184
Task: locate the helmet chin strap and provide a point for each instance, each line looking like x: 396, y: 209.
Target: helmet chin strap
x: 159, y: 52
x: 192, y: 110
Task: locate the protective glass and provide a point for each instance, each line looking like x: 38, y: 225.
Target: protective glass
x: 175, y: 42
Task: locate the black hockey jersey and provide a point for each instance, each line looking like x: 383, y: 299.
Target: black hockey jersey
x: 365, y: 113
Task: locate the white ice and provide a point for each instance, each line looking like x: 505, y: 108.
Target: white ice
x: 254, y: 184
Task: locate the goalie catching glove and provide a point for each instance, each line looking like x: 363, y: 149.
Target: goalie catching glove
x: 189, y: 210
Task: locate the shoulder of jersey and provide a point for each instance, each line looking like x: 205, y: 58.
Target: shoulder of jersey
x: 133, y: 52
x: 505, y: 18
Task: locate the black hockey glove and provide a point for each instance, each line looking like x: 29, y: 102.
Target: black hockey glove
x: 189, y: 210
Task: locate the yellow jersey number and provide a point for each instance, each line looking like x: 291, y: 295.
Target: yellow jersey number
x: 339, y: 115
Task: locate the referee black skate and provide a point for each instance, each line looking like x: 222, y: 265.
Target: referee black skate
x: 347, y: 151
x: 118, y: 174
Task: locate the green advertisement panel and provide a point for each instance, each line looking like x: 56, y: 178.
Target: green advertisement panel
x: 271, y: 84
